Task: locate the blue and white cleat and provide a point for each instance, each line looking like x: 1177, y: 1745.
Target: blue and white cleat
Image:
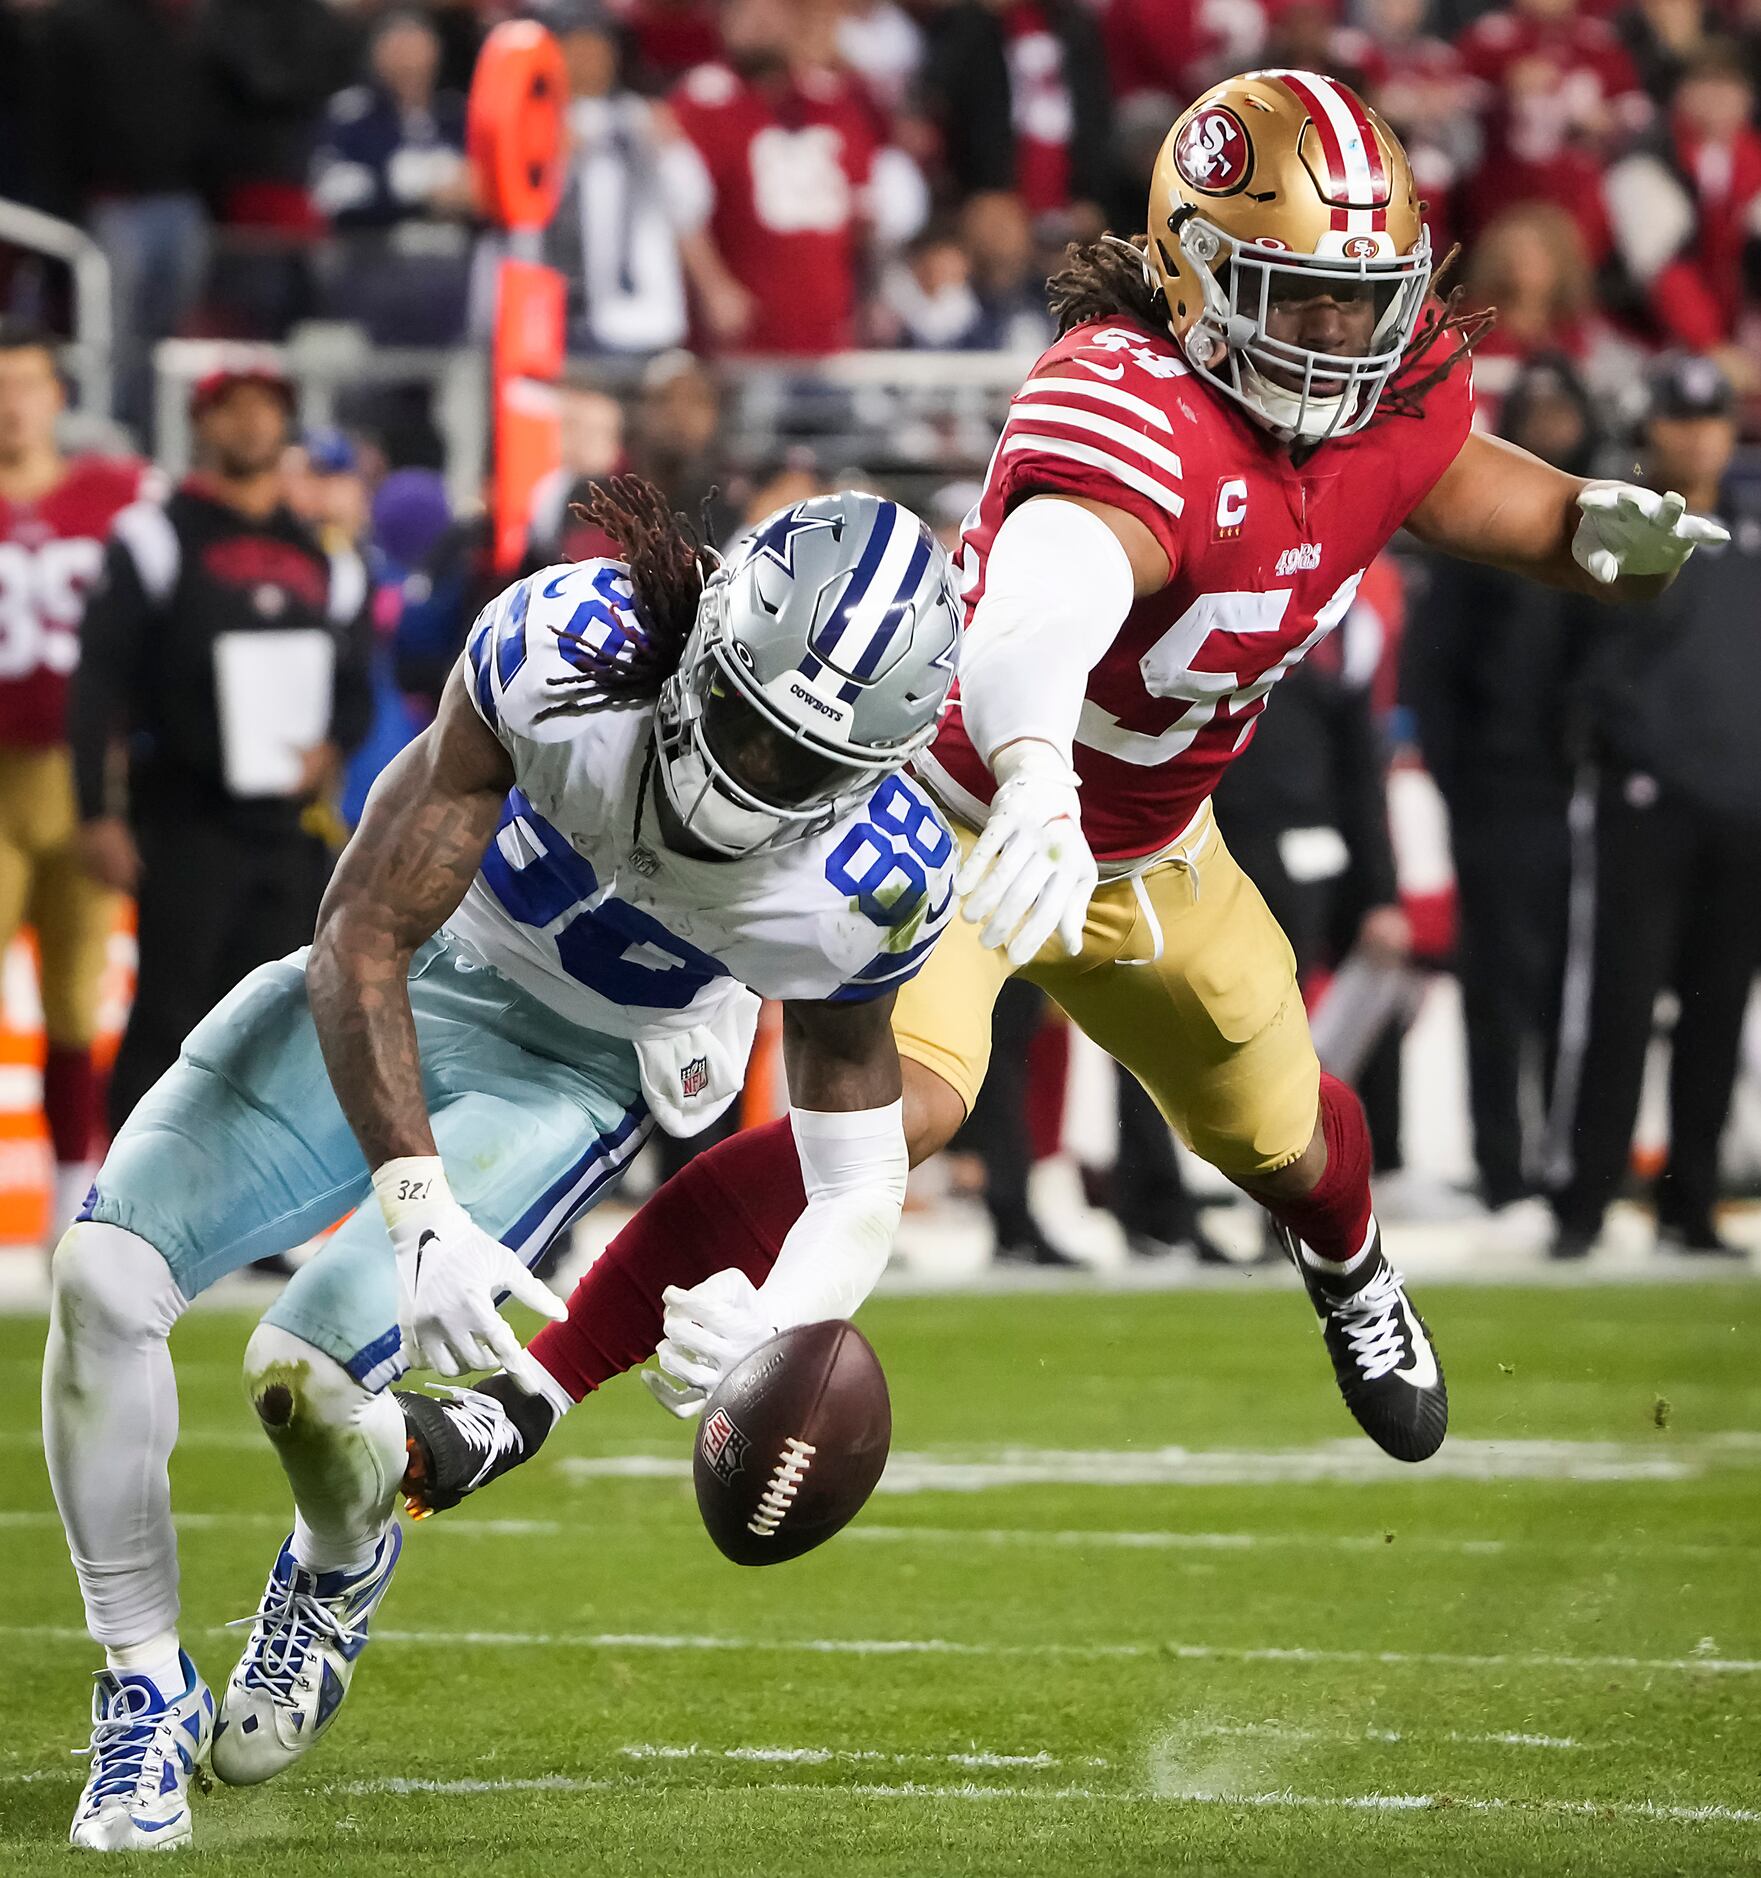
x: 145, y: 1751
x: 306, y: 1638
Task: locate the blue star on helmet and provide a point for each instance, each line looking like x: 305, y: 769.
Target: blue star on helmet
x: 775, y: 541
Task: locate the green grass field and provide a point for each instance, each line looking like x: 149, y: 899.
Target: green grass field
x: 1148, y: 1604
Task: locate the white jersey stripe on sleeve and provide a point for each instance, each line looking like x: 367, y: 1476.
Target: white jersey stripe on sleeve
x: 1140, y: 480
x: 1101, y: 394
x: 1134, y: 441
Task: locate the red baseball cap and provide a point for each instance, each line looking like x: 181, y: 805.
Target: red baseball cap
x: 212, y: 386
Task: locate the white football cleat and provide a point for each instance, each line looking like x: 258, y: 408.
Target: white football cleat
x: 145, y: 1751
x: 306, y: 1637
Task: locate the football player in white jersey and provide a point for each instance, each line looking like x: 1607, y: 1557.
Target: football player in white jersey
x: 656, y: 789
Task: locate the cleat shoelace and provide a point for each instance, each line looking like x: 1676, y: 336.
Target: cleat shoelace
x: 121, y: 1741
x: 291, y: 1621
x: 1373, y: 1326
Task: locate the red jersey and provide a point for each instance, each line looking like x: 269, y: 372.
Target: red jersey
x: 788, y: 170
x: 1267, y: 554
x: 51, y: 551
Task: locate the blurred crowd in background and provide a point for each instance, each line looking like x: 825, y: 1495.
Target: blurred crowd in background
x: 759, y: 180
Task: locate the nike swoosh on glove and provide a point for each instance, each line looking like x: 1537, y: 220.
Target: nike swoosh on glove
x: 1623, y: 529
x: 450, y: 1273
x: 1030, y: 873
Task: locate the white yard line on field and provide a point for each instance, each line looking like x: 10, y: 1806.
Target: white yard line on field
x: 825, y: 1791
x: 1077, y: 1538
x: 1346, y: 1462
x: 969, y: 1790
x: 822, y: 1757
x: 947, y: 1646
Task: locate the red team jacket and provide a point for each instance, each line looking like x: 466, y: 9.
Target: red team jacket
x: 1267, y: 554
x: 50, y: 553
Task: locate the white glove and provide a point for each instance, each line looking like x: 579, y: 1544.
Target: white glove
x: 1030, y: 873
x: 709, y: 1329
x: 1626, y: 530
x: 449, y: 1271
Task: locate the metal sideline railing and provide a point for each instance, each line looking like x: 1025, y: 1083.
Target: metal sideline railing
x: 919, y: 415
x: 88, y: 359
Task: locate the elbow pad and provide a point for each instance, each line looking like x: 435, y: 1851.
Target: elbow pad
x: 854, y: 1166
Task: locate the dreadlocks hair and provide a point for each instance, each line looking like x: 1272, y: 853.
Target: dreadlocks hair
x: 1449, y: 325
x: 669, y: 566
x: 1106, y: 279
x: 1103, y: 280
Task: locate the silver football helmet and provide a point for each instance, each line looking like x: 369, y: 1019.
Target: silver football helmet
x: 820, y: 662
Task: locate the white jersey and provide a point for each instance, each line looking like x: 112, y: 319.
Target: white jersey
x: 580, y: 901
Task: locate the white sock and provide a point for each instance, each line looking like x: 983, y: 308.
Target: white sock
x: 109, y: 1425
x: 1342, y: 1268
x: 341, y: 1447
x: 552, y: 1391
x: 157, y: 1659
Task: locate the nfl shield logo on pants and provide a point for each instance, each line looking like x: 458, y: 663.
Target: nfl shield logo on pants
x: 694, y: 1077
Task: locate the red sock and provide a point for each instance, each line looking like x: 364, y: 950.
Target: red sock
x: 70, y: 1102
x: 1333, y: 1218
x: 732, y: 1205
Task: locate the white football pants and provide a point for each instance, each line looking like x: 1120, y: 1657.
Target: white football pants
x: 110, y: 1423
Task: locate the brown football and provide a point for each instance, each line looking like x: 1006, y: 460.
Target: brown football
x: 792, y: 1442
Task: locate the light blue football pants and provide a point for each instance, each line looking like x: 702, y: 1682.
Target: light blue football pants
x: 241, y: 1150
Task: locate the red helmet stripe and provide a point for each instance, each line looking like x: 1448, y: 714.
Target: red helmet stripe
x: 1356, y: 173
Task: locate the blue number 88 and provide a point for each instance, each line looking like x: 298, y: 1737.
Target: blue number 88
x: 881, y: 862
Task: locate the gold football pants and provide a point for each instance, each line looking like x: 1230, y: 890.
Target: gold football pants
x: 43, y: 885
x: 1184, y: 977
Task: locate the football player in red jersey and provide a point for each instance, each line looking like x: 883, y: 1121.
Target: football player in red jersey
x: 1240, y: 413
x: 54, y: 515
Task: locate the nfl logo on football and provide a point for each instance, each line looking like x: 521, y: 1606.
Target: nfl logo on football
x: 724, y: 1447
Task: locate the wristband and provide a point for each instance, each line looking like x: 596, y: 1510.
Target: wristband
x: 408, y: 1184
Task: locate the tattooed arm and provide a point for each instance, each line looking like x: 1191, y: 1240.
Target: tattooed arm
x: 430, y: 817
x: 422, y: 835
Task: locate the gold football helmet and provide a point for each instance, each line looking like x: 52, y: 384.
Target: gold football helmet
x: 1272, y: 183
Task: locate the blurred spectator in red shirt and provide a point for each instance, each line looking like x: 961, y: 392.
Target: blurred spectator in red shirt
x: 1530, y: 269
x: 671, y: 36
x: 1686, y: 213
x: 1558, y: 92
x: 1019, y: 91
x: 1175, y: 50
x: 1420, y: 84
x: 783, y: 176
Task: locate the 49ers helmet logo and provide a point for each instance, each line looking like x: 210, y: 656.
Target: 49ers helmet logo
x: 1212, y: 153
x: 1362, y: 248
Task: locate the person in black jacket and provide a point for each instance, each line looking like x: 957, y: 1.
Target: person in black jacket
x: 1486, y: 667
x: 1666, y: 850
x: 228, y: 654
x: 972, y: 80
